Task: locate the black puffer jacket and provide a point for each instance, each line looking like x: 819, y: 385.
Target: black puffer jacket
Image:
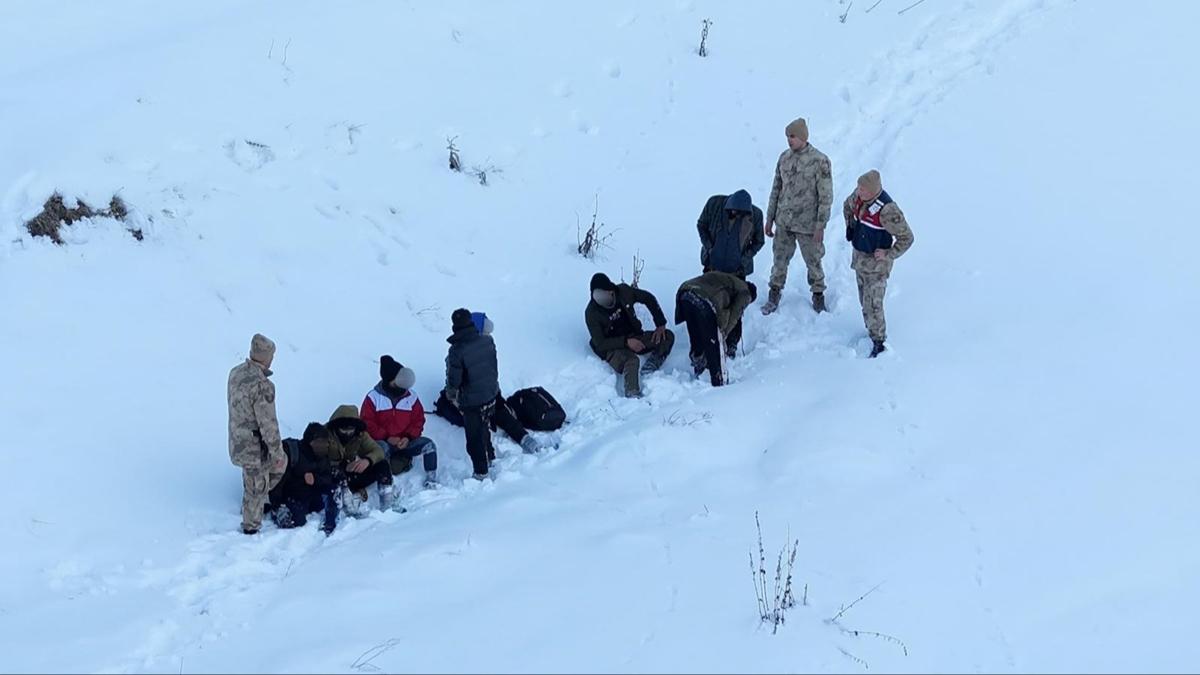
x: 472, y: 375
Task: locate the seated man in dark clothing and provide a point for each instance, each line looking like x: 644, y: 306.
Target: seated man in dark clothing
x: 616, y: 332
x: 307, y: 485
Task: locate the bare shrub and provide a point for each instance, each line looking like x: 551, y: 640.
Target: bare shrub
x: 679, y: 419
x: 775, y: 600
x: 703, y: 50
x: 595, y: 238
x: 455, y: 162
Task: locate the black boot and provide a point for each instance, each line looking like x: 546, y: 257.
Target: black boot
x: 877, y: 349
x: 819, y: 302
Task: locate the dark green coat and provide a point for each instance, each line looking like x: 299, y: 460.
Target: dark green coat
x: 340, y: 453
x: 609, y: 328
x: 728, y: 295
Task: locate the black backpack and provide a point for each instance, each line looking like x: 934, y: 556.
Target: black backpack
x: 537, y: 410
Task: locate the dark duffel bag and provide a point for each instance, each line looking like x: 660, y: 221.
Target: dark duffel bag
x: 537, y: 410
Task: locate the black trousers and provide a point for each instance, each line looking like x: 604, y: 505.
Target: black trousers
x: 379, y: 472
x: 703, y: 332
x: 477, y: 425
x: 503, y: 417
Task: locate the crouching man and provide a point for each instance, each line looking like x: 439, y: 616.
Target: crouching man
x: 712, y: 305
x: 355, y: 454
x: 308, y: 484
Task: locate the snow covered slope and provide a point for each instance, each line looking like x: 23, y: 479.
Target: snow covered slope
x: 1015, y: 478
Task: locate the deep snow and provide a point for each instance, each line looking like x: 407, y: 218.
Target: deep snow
x: 1014, y: 474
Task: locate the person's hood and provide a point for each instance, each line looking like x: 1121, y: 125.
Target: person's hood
x: 739, y: 201
x: 347, y: 412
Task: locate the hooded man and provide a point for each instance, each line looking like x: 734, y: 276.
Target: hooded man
x: 711, y: 305
x: 472, y: 385
x: 254, y: 442
x: 731, y: 233
x: 395, y: 418
x: 876, y: 228
x: 801, y: 197
x: 351, y: 451
x: 616, y: 332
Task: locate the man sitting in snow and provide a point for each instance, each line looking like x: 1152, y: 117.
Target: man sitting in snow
x: 616, y: 332
x: 308, y: 483
x: 353, y: 452
x: 502, y: 415
x: 395, y: 418
x: 711, y: 305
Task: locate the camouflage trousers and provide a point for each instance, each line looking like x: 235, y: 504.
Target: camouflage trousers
x: 871, y: 289
x: 257, y: 482
x: 811, y: 250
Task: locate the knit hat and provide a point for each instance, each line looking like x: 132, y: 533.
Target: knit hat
x: 262, y: 349
x: 482, y: 323
x: 461, y: 318
x: 388, y: 368
x: 602, y: 282
x: 798, y: 128
x: 871, y: 181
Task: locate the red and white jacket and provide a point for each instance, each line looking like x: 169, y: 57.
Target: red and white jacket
x: 387, y: 416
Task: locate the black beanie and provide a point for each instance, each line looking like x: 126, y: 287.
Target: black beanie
x: 388, y: 368
x: 602, y: 282
x: 461, y: 318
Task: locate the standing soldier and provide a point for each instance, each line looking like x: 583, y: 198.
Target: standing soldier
x: 876, y: 228
x: 254, y: 443
x: 801, y: 197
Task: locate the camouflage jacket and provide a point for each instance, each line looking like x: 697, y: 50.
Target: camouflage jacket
x: 892, y: 220
x: 253, y: 427
x: 802, y: 194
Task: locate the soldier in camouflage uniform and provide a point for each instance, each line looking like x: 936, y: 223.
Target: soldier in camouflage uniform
x: 876, y: 228
x: 254, y: 443
x: 801, y: 197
